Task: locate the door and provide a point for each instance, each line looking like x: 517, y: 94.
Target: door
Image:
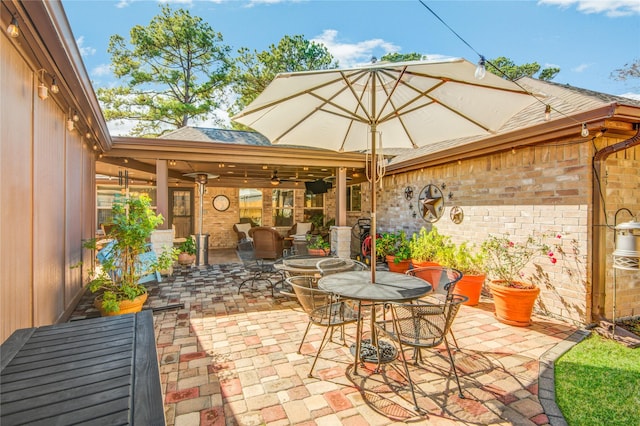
x: 181, y: 211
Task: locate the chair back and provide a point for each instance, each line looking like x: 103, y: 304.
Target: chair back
x: 424, y: 324
x: 322, y: 307
x: 311, y: 298
x: 267, y: 242
x: 334, y: 265
x: 442, y: 279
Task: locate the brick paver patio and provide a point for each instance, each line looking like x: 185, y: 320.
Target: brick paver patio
x: 231, y: 359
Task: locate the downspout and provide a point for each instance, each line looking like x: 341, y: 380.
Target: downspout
x: 599, y: 248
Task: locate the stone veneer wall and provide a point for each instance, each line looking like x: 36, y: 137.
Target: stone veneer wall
x: 534, y: 189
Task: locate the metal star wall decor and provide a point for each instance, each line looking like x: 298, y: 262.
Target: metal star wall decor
x: 431, y: 203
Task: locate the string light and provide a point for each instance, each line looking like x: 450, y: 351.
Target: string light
x: 54, y: 86
x: 13, y: 30
x: 584, y: 132
x: 513, y: 150
x: 75, y: 117
x: 481, y: 69
x: 547, y: 112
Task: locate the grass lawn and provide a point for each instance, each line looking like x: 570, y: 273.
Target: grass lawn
x: 598, y: 383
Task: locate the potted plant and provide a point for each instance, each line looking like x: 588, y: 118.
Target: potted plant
x: 427, y: 247
x: 471, y: 262
x: 317, y: 246
x: 513, y: 295
x: 394, y: 248
x: 187, y: 251
x: 126, y: 259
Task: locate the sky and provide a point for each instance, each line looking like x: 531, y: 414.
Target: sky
x: 586, y: 39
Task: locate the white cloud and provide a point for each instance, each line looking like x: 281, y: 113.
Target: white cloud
x: 350, y: 54
x: 630, y: 95
x: 612, y: 8
x: 581, y: 68
x: 123, y: 3
x: 84, y: 50
x: 101, y: 70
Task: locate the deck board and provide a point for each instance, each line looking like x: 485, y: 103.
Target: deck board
x: 96, y: 371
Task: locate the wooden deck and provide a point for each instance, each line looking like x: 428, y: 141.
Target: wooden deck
x: 97, y: 371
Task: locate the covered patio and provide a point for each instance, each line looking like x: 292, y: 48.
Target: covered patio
x: 231, y: 359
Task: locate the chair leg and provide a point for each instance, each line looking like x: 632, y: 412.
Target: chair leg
x: 305, y: 336
x: 406, y: 370
x: 453, y: 367
x: 323, y: 343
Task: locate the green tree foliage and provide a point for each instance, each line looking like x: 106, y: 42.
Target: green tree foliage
x: 253, y: 71
x: 506, y: 68
x: 630, y: 70
x: 402, y: 57
x: 174, y: 70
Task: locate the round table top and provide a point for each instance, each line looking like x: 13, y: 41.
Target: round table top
x: 389, y: 286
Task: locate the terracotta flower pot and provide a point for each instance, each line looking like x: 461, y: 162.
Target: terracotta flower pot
x: 401, y: 266
x: 186, y: 258
x: 432, y: 276
x: 470, y: 286
x: 513, y: 305
x: 126, y: 306
x: 317, y: 252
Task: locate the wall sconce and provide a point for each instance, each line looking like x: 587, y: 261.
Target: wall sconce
x: 70, y: 125
x: 13, y: 30
x: 43, y: 92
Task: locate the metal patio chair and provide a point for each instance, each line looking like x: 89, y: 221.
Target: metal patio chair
x: 420, y: 325
x: 323, y: 309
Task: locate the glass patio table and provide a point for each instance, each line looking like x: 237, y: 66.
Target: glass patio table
x: 389, y: 287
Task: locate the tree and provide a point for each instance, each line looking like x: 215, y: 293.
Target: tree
x: 506, y: 68
x: 630, y: 70
x: 175, y: 70
x: 253, y: 72
x: 402, y: 57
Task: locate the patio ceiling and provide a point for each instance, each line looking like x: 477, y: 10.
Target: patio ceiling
x: 236, y: 165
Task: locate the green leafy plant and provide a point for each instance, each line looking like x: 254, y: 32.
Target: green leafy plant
x: 394, y: 244
x: 188, y: 246
x: 121, y: 268
x: 506, y: 258
x: 429, y: 246
x: 317, y: 242
x: 468, y: 259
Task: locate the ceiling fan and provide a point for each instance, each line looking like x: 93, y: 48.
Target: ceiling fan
x: 275, y: 180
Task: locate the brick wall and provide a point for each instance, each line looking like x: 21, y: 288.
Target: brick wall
x: 621, y: 187
x: 533, y: 189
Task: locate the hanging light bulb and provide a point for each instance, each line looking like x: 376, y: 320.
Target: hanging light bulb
x: 584, y: 132
x: 13, y: 30
x: 547, y: 112
x: 481, y: 70
x: 75, y: 117
x: 54, y: 86
x: 95, y: 146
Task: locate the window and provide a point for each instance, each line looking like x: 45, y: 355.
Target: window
x: 354, y: 200
x: 251, y: 206
x: 108, y: 194
x: 282, y: 204
x: 313, y: 208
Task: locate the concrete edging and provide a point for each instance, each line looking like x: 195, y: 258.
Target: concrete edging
x: 546, y: 377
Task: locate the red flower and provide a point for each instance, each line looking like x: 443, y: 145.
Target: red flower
x: 554, y: 260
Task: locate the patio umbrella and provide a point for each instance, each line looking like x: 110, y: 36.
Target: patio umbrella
x: 408, y: 104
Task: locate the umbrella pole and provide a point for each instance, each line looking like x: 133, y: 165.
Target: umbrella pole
x: 374, y: 169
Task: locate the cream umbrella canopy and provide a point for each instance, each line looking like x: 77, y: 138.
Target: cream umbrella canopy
x: 409, y: 104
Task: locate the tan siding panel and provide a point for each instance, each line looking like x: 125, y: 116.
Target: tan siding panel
x: 16, y: 183
x: 75, y: 214
x: 49, y: 211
